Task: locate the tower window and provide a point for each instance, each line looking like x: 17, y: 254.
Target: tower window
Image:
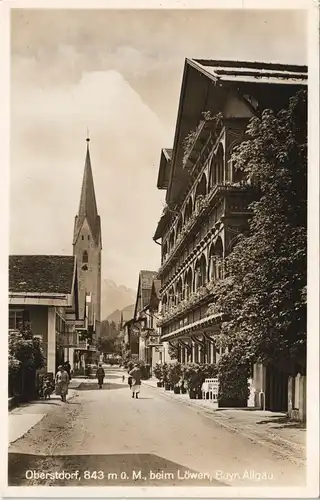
x: 85, y: 257
x: 82, y: 237
x: 88, y: 237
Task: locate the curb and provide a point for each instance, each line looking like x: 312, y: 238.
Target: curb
x: 12, y: 403
x: 26, y: 432
x: 212, y: 415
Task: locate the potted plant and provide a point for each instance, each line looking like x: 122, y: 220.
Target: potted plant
x: 174, y: 376
x: 158, y: 373
x: 183, y: 386
x: 169, y: 379
x: 194, y: 379
x: 165, y: 370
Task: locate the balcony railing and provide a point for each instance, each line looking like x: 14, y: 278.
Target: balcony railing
x: 195, y: 298
x: 190, y: 141
x: 203, y: 202
x: 71, y: 339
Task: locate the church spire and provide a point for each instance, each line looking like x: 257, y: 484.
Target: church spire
x: 88, y: 205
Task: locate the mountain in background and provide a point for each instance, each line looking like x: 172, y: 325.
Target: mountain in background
x: 127, y: 313
x: 115, y: 297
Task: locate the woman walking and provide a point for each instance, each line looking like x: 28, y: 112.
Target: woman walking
x: 62, y: 383
x: 136, y: 380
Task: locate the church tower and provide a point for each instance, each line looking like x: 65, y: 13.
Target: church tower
x: 87, y: 248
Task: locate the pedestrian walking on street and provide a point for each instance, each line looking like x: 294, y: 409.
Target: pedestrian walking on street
x: 67, y: 368
x: 62, y: 383
x: 136, y: 380
x: 100, y: 375
x: 123, y: 377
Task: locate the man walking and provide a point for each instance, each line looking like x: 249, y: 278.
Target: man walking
x: 136, y: 380
x: 100, y: 375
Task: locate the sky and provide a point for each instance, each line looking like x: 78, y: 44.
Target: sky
x: 118, y: 74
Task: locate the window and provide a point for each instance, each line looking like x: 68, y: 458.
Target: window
x: 85, y: 257
x: 88, y: 237
x: 82, y: 237
x: 16, y: 317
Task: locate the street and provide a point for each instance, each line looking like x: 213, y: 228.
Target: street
x: 106, y: 438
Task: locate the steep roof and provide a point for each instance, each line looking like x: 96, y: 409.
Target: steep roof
x: 146, y: 279
x: 41, y: 274
x: 252, y: 71
x: 164, y: 170
x: 144, y: 289
x: 88, y: 205
x: 156, y: 287
x: 168, y: 153
x: 207, y: 85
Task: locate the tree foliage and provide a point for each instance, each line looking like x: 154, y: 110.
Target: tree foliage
x: 173, y: 352
x: 263, y: 296
x: 25, y: 351
x: 233, y: 373
x: 109, y: 340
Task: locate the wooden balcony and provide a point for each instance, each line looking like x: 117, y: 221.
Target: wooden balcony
x: 202, y: 294
x: 202, y: 209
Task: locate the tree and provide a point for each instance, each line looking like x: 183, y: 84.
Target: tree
x: 25, y: 357
x: 173, y: 352
x: 25, y: 351
x: 109, y: 340
x: 263, y: 297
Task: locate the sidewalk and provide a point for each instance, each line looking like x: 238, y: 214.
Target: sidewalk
x: 272, y: 429
x: 25, y: 416
x: 76, y: 382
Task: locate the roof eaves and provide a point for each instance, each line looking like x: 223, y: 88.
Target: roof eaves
x: 137, y: 298
x: 213, y: 76
x: 167, y: 153
x: 263, y: 79
x: 187, y: 63
x: 254, y: 65
x: 39, y: 294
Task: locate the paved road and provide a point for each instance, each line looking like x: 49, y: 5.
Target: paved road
x: 104, y: 437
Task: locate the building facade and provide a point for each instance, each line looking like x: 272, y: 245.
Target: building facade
x: 207, y: 202
x: 146, y: 308
x: 152, y: 341
x: 43, y: 292
x: 130, y: 337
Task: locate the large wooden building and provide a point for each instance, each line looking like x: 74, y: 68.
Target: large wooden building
x: 207, y: 202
